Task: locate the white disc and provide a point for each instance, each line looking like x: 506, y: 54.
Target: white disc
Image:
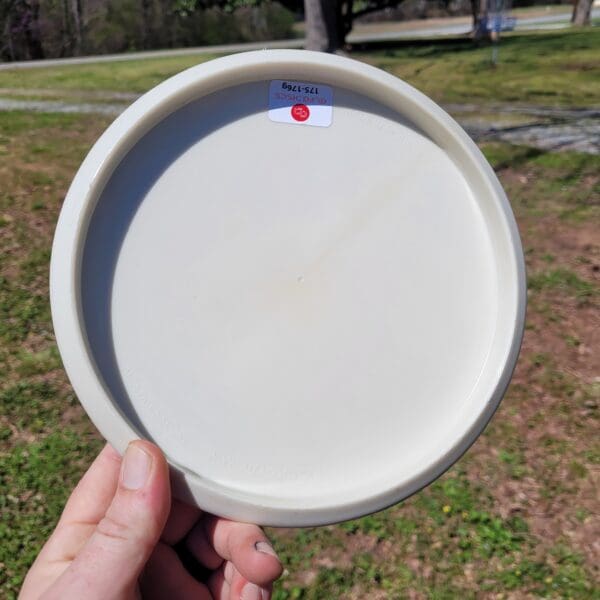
x: 313, y: 311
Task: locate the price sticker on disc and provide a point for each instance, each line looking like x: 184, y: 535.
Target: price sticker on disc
x: 300, y: 103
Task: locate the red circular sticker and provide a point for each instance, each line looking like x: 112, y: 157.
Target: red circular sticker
x: 300, y: 112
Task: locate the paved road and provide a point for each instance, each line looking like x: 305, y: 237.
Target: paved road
x: 553, y: 21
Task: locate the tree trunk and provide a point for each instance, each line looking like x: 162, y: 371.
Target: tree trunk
x: 479, y: 10
x: 83, y: 22
x: 345, y: 18
x: 147, y: 24
x: 76, y: 16
x: 581, y: 12
x: 322, y: 32
x: 67, y: 36
x: 8, y: 38
x: 32, y: 31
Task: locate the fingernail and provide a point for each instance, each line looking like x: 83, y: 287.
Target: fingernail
x: 266, y: 548
x: 135, y: 468
x: 252, y: 592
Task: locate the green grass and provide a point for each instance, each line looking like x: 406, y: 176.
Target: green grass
x: 126, y: 76
x: 565, y: 184
x: 558, y: 68
x: 471, y: 534
x: 565, y: 281
x: 555, y: 69
x: 45, y: 440
x: 13, y: 123
x: 33, y: 492
x: 452, y: 527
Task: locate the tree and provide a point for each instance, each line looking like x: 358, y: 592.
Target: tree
x: 328, y: 22
x: 581, y: 12
x: 321, y: 25
x: 72, y: 27
x: 22, y: 29
x: 77, y: 17
x: 147, y: 23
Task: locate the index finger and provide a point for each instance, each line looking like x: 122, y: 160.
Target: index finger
x: 92, y: 495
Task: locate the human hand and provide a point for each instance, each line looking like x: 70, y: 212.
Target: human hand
x: 120, y: 536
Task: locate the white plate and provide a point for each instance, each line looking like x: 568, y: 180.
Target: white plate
x: 313, y: 311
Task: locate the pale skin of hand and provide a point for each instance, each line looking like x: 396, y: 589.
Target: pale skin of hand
x: 116, y: 538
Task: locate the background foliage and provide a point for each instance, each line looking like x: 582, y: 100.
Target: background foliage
x: 31, y: 29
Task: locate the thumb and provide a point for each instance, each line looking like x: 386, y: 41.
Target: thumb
x: 110, y: 563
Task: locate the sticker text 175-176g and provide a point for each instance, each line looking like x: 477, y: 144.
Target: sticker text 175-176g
x: 296, y: 87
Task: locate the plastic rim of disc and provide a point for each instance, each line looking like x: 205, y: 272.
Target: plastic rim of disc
x: 298, y: 276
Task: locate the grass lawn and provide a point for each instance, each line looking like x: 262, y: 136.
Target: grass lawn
x: 556, y: 69
x: 553, y: 69
x: 516, y: 517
